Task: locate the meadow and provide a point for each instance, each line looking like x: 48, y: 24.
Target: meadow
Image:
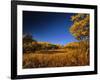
x: 75, y: 50
x: 71, y: 54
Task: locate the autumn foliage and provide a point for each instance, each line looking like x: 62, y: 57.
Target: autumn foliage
x: 30, y: 45
x: 44, y: 54
x: 80, y: 27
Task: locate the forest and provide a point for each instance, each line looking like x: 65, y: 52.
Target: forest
x: 38, y: 54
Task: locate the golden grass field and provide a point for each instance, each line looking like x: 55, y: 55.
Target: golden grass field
x: 57, y: 58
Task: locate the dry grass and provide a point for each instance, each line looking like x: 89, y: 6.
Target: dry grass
x: 56, y: 58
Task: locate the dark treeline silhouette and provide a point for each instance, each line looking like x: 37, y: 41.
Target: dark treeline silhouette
x: 31, y: 45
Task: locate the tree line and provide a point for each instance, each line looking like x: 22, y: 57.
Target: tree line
x: 31, y: 45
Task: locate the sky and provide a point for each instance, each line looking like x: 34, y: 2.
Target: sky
x: 48, y: 26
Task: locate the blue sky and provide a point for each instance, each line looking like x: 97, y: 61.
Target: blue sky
x: 48, y: 26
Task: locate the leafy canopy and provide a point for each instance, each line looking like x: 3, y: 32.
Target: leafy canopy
x: 80, y: 26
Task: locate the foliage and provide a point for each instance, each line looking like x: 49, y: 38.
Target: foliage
x: 38, y: 46
x: 45, y: 54
x: 27, y: 43
x: 82, y: 44
x: 80, y: 26
x: 27, y: 38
